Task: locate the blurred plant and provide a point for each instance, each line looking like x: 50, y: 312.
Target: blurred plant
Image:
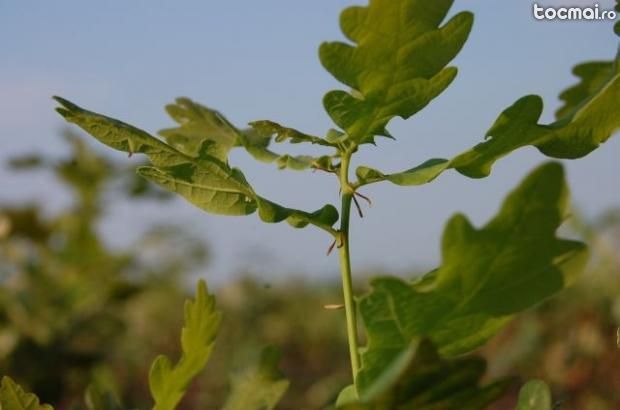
x: 260, y: 386
x: 70, y: 306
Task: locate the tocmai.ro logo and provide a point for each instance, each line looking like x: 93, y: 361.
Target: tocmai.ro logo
x: 572, y: 13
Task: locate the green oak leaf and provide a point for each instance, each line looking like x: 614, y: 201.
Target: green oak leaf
x: 267, y: 129
x: 260, y: 387
x: 487, y: 275
x: 272, y: 212
x: 169, y: 382
x: 588, y: 118
x: 582, y: 130
x: 420, y: 379
x: 203, y: 179
x: 534, y: 395
x: 201, y: 127
x: 13, y: 397
x: 422, y: 174
x: 198, y: 124
x: 592, y: 76
x: 397, y: 65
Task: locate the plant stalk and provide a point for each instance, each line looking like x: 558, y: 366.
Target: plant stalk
x: 345, y: 266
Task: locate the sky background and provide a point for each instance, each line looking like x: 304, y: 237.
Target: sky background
x: 258, y: 60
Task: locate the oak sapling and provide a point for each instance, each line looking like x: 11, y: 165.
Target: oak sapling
x: 394, y: 62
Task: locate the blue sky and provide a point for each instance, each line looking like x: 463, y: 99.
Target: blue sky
x: 258, y: 60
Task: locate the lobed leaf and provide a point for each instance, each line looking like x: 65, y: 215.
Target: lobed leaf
x: 168, y: 383
x: 592, y: 76
x: 264, y: 131
x: 260, y: 387
x: 202, y: 126
x: 267, y: 129
x: 420, y: 175
x: 198, y: 124
x: 591, y: 123
x: 13, y: 397
x: 272, y: 212
x: 199, y: 174
x: 588, y: 118
x: 486, y: 276
x: 420, y: 379
x: 397, y: 65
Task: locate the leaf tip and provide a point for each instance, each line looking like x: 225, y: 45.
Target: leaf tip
x: 66, y: 107
x: 468, y: 18
x: 551, y: 169
x: 65, y: 103
x: 201, y: 290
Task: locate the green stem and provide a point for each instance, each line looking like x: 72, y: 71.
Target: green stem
x: 345, y: 266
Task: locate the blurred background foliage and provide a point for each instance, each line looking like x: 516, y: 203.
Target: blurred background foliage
x: 74, y: 311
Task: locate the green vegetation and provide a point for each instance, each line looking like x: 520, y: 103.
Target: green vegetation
x: 67, y: 295
x: 568, y: 341
x: 416, y: 331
